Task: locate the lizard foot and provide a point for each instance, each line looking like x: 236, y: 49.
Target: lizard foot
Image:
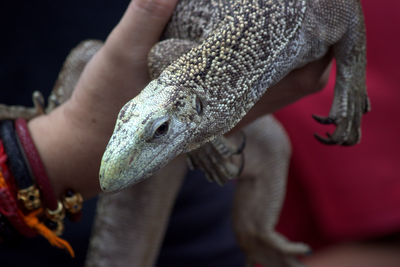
x: 14, y: 112
x: 347, y: 118
x: 273, y: 249
x: 281, y: 243
x: 221, y: 160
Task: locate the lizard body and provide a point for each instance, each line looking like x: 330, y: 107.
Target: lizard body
x: 239, y: 49
x: 130, y: 225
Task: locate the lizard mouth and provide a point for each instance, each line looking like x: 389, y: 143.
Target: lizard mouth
x: 117, y: 174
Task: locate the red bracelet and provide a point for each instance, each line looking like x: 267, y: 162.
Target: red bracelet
x: 31, y: 224
x: 36, y: 164
x: 8, y: 203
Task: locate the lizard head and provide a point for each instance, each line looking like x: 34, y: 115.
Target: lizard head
x: 152, y: 129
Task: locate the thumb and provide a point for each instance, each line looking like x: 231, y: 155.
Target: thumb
x: 140, y: 28
x: 118, y: 72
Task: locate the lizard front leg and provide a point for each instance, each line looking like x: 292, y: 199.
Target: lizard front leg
x: 259, y: 196
x: 221, y: 160
x: 350, y: 99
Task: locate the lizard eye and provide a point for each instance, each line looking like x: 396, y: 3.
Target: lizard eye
x: 157, y: 129
x: 198, y: 105
x: 161, y: 130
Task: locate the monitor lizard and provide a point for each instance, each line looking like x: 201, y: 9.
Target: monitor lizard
x: 130, y: 225
x: 235, y: 51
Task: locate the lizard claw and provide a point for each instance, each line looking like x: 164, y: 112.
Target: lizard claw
x: 323, y: 120
x: 241, y: 166
x: 242, y: 144
x: 38, y: 102
x: 367, y: 105
x: 345, y: 114
x: 326, y: 140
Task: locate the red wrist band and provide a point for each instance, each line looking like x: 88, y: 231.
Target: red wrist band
x: 8, y: 203
x: 36, y: 164
x: 32, y: 223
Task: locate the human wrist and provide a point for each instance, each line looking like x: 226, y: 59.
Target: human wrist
x: 69, y: 154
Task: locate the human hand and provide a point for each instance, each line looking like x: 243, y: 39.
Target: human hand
x: 72, y: 138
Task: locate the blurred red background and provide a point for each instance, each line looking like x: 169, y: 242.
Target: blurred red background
x: 337, y: 194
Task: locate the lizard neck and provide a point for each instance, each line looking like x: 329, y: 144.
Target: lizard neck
x: 235, y: 64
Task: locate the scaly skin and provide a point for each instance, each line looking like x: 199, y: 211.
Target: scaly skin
x: 243, y: 48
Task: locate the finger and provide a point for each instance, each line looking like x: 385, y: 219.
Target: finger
x: 140, y: 27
